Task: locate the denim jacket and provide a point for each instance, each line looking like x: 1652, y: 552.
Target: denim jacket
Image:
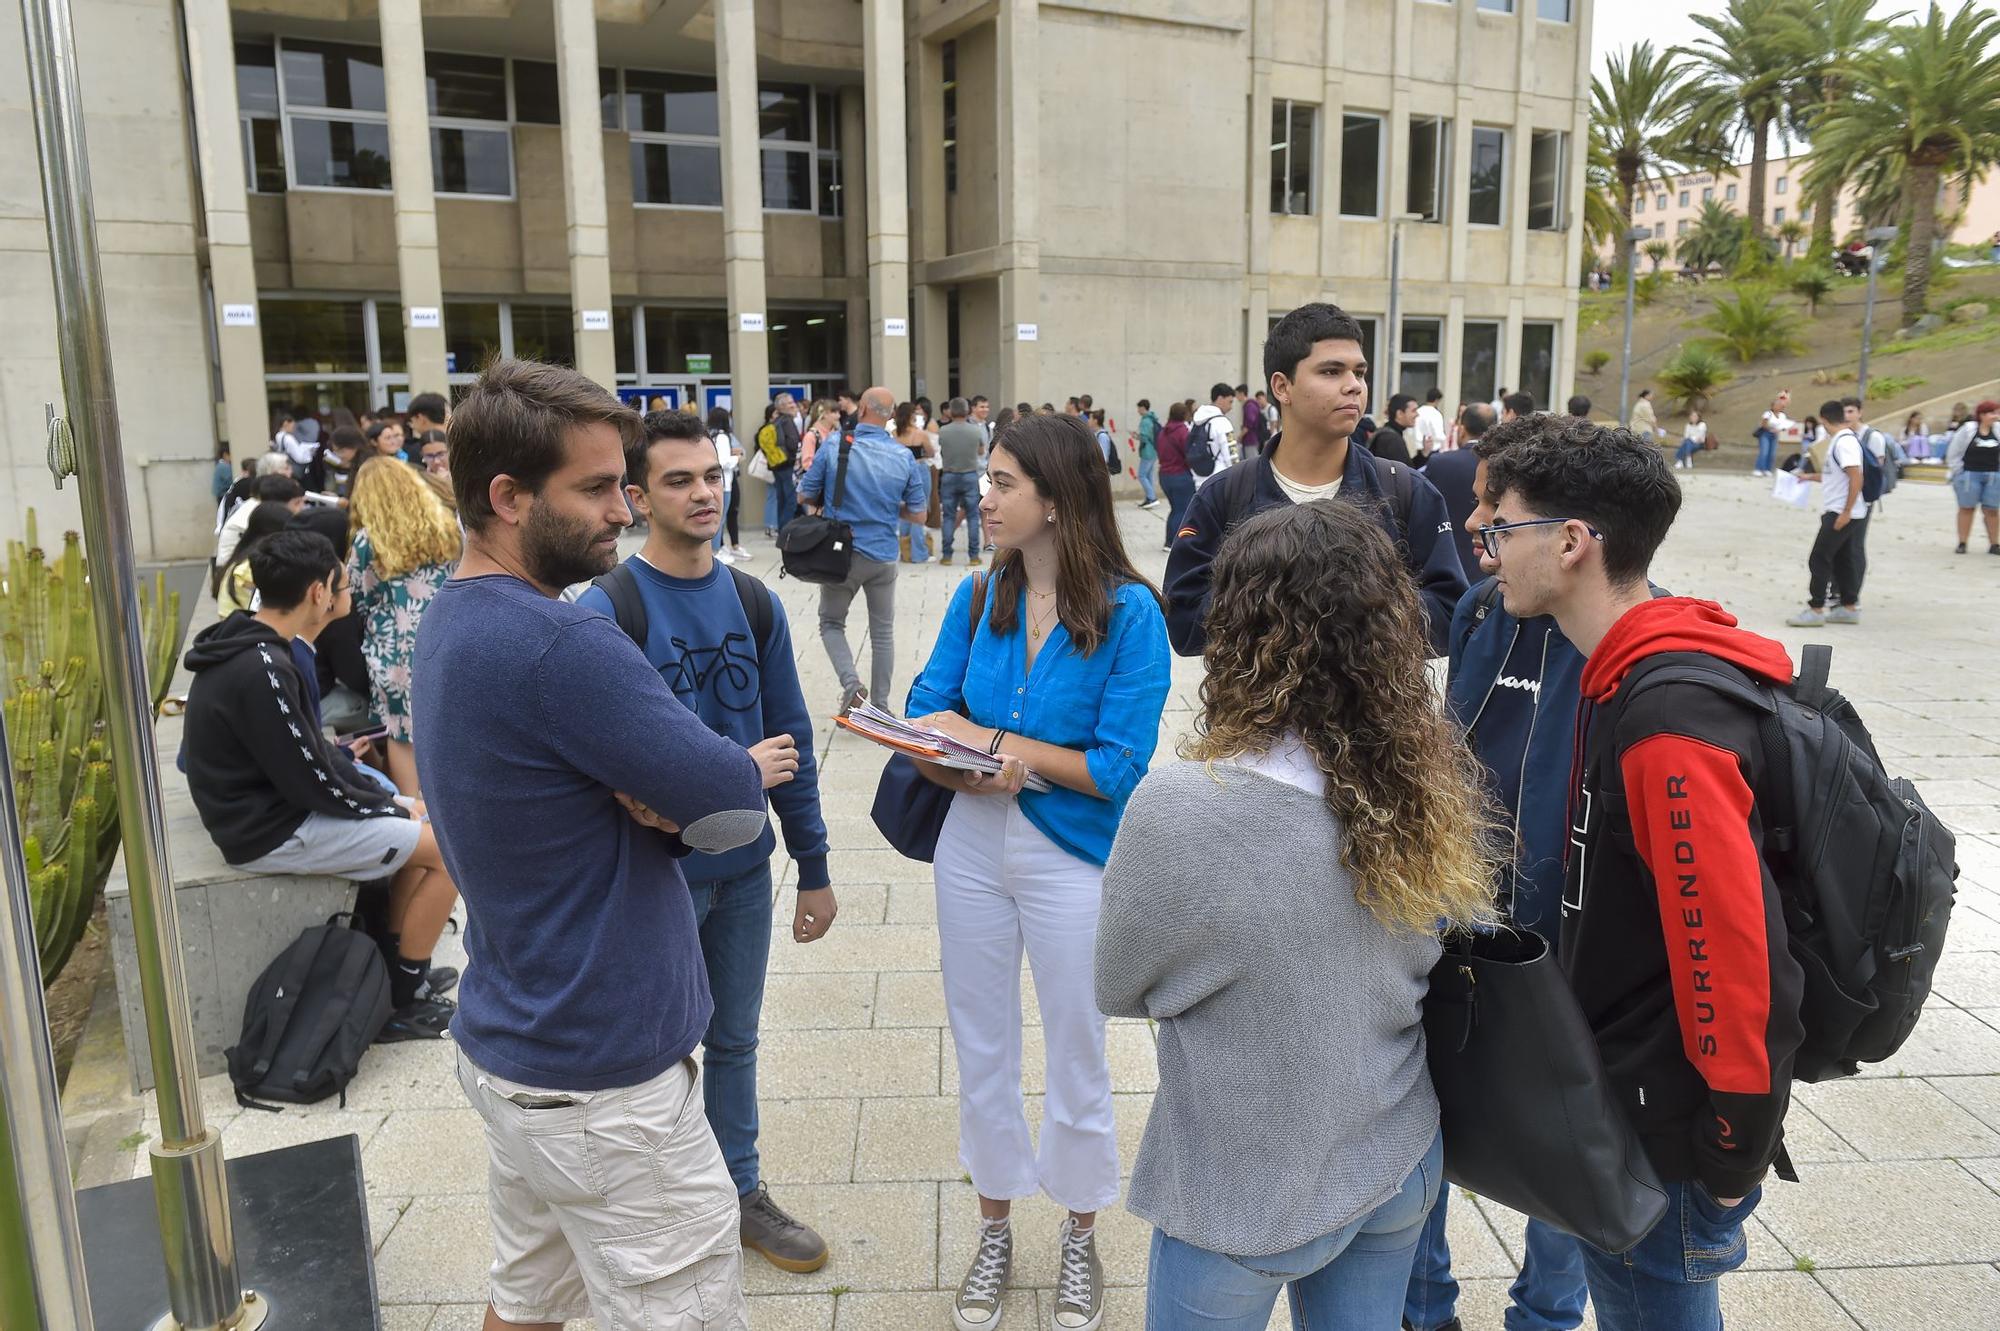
x: 1107, y: 704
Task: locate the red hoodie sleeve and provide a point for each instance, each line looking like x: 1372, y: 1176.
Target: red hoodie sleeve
x: 1736, y: 987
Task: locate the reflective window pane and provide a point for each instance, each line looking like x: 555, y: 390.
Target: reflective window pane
x: 466, y: 87
x: 787, y: 179
x: 1545, y: 177
x: 1299, y: 183
x: 683, y: 173
x: 389, y: 336
x: 471, y: 336
x: 471, y: 161
x: 808, y: 342
x: 313, y: 336
x: 828, y: 127
x: 1361, y: 166
x: 1497, y: 6
x: 544, y: 332
x: 672, y: 335
x: 1556, y: 11
x: 264, y: 154
x: 1428, y: 150
x: 658, y: 103
x: 1368, y: 351
x: 537, y: 93
x: 783, y: 113
x: 829, y: 185
x: 349, y: 154
x: 256, y: 76
x: 621, y: 339
x: 1422, y: 337
x: 607, y: 97
x: 1489, y: 155
x: 1538, y: 358
x: 1479, y: 361
x: 334, y: 75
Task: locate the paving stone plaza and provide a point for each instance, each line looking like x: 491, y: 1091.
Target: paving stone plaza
x: 1897, y: 1222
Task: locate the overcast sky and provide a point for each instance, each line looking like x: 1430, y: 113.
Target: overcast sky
x: 1617, y: 24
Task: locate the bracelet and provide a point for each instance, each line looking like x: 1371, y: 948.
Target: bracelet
x: 994, y: 747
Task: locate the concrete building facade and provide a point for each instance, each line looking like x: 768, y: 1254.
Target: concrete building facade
x: 322, y: 203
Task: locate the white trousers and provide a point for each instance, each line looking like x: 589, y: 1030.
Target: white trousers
x: 1000, y: 884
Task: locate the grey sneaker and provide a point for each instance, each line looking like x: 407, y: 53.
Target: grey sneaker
x: 1079, y: 1281
x: 977, y: 1307
x: 783, y: 1241
x: 1807, y: 618
x: 1841, y: 614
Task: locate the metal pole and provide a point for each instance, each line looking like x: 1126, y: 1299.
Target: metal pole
x: 1625, y: 365
x: 189, y: 1188
x: 1394, y: 351
x: 1867, y: 327
x: 41, y: 1207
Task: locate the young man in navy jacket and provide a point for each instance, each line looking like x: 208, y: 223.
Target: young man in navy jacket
x: 744, y: 685
x: 1318, y: 375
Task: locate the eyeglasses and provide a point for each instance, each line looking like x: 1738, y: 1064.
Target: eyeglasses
x: 1489, y: 535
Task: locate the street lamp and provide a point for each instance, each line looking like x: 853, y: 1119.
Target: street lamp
x: 1392, y: 353
x: 1631, y: 239
x: 1877, y: 238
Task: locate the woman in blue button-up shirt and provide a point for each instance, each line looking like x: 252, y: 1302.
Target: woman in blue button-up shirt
x: 1059, y: 664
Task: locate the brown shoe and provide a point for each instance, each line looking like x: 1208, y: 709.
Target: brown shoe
x: 783, y: 1241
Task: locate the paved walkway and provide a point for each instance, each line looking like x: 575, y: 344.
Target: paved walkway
x: 1896, y: 1225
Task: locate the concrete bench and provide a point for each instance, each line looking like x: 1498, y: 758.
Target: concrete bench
x: 232, y: 925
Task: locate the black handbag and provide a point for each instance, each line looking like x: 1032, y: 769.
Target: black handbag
x: 815, y: 547
x: 1529, y: 1116
x: 909, y: 810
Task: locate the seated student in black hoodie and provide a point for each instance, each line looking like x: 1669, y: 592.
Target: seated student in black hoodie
x: 277, y: 797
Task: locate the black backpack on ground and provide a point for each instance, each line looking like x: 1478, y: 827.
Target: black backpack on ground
x: 309, y: 1018
x: 1865, y: 870
x: 1201, y: 446
x: 817, y: 547
x: 628, y: 606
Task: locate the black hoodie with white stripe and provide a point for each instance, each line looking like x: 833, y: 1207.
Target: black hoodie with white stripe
x: 256, y: 763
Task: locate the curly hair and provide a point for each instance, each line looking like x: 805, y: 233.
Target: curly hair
x: 1314, y: 630
x: 408, y: 525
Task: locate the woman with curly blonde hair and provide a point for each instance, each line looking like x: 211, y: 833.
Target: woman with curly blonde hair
x: 406, y: 544
x: 1273, y: 903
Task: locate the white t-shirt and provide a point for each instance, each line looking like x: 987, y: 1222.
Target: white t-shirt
x: 1431, y: 437
x: 1304, y: 494
x: 725, y: 452
x: 1842, y: 452
x: 1777, y: 422
x: 1218, y: 440
x: 1696, y: 432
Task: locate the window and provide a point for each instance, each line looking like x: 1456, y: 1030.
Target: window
x: 677, y: 173
x: 1659, y: 229
x: 1479, y: 360
x: 538, y: 94
x: 1780, y: 187
x: 1538, y: 360
x: 334, y: 151
x: 1489, y: 172
x: 671, y: 104
x: 1293, y: 126
x: 1729, y: 193
x: 1708, y: 196
x: 472, y: 150
x: 1430, y: 158
x: 1555, y: 11
x: 340, y: 154
x: 826, y: 154
x: 543, y: 332
x: 1684, y: 198
x: 1497, y: 6
x: 1417, y: 367
x: 676, y: 129
x: 672, y: 335
x: 1368, y: 349
x: 257, y: 108
x: 1548, y: 163
x: 1661, y: 202
x: 784, y: 127
x: 948, y: 57
x: 314, y: 336
x: 333, y: 76
x: 1360, y: 166
x: 1681, y: 227
x: 1805, y: 212
x: 1639, y: 205
x: 1777, y: 216
x: 810, y: 342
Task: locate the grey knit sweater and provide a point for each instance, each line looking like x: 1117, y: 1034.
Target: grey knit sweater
x: 1294, y: 1097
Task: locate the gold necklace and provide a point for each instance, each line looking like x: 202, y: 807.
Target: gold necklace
x: 1034, y: 621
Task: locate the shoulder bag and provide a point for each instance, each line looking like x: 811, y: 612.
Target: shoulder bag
x: 817, y: 547
x: 1528, y: 1114
x: 909, y: 808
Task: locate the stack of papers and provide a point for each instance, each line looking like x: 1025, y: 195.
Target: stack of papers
x: 923, y: 743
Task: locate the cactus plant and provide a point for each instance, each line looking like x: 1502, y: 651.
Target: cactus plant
x: 54, y: 707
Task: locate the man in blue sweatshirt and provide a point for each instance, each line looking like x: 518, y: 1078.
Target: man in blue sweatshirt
x: 565, y: 784
x: 694, y: 618
x: 1514, y: 686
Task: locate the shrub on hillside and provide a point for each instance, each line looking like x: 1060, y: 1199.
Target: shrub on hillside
x: 1695, y: 372
x: 1812, y: 281
x: 1753, y: 324
x: 1595, y: 360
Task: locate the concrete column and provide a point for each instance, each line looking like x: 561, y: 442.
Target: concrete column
x: 1018, y: 77
x: 854, y: 232
x: 1564, y: 371
x: 924, y: 149
x: 584, y: 205
x: 1521, y: 149
x: 1459, y: 188
x: 1257, y: 243
x: 1333, y: 108
x: 1507, y: 366
x: 882, y: 56
x: 416, y: 206
x: 742, y: 209
x: 932, y: 343
x: 1451, y: 356
x: 232, y: 270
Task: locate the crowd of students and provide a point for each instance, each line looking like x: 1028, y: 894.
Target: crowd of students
x: 598, y: 777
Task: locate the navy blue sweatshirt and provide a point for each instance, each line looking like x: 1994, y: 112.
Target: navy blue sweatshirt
x: 700, y: 641
x: 529, y: 715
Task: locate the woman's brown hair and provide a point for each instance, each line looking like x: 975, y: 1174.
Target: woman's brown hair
x: 1059, y: 456
x: 1314, y: 630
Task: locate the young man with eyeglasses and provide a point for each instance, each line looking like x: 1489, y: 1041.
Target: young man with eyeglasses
x: 1673, y: 933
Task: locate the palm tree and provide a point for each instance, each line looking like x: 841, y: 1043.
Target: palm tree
x: 1695, y: 371
x: 1926, y: 101
x: 1638, y: 116
x: 1821, y: 36
x: 1602, y: 222
x: 1745, y: 71
x: 1657, y: 251
x: 1753, y: 324
x: 1813, y: 280
x: 1715, y: 240
x: 1792, y: 231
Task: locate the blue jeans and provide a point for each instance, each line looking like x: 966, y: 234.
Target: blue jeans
x: 1147, y: 466
x: 1767, y: 450
x: 958, y: 489
x: 781, y: 497
x: 1548, y: 1295
x: 1351, y: 1280
x: 1687, y: 450
x: 1179, y: 486
x: 1668, y: 1282
x: 734, y: 916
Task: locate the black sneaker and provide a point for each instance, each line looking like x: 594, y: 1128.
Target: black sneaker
x: 440, y: 981
x: 423, y: 1019
x: 1961, y: 548
x: 783, y: 1241
x: 1452, y: 1325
